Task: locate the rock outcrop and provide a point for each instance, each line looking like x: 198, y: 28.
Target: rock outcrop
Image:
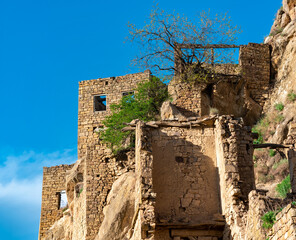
x: 120, y: 209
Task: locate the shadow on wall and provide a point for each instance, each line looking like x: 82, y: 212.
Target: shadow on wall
x: 185, y: 180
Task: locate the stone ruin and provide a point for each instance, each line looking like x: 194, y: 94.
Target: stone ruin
x: 193, y: 173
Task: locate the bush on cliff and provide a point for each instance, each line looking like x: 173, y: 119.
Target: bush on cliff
x: 143, y: 105
x: 284, y: 187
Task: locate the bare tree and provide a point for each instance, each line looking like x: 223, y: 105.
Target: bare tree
x: 169, y: 41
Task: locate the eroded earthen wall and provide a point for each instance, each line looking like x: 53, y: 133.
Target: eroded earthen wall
x: 89, y: 119
x: 255, y: 63
x: 177, y: 175
x: 184, y: 175
x: 54, y: 181
x: 234, y: 149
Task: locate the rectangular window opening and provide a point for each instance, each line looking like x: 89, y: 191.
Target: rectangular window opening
x: 100, y: 103
x: 63, y: 202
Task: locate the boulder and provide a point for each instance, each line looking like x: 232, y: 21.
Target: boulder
x: 61, y: 229
x: 120, y: 209
x: 169, y: 111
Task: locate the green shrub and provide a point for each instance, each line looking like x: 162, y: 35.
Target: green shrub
x: 261, y: 128
x: 282, y: 161
x: 268, y: 219
x: 144, y: 105
x: 272, y: 152
x: 279, y: 107
x: 276, y: 31
x: 80, y: 191
x: 259, y: 140
x: 284, y: 187
x: 292, y: 96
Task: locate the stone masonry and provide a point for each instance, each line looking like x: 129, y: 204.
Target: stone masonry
x: 194, y: 172
x: 99, y: 169
x: 222, y: 92
x: 89, y: 120
x: 180, y: 168
x: 54, y: 181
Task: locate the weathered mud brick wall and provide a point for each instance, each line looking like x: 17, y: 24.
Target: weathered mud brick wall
x: 187, y: 97
x: 255, y: 62
x: 178, y: 177
x: 285, y: 225
x: 54, y: 181
x: 89, y: 119
x: 234, y: 150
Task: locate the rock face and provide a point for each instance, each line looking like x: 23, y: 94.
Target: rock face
x: 120, y: 209
x: 169, y: 111
x: 282, y: 38
x: 62, y: 229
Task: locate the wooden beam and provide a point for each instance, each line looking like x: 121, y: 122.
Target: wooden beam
x: 271, y: 145
x: 208, y: 46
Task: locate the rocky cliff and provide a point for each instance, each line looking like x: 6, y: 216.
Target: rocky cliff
x: 278, y: 122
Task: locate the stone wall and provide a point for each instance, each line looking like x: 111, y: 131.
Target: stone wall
x: 54, y: 181
x: 285, y: 225
x: 89, y: 120
x: 255, y: 62
x: 259, y: 204
x: 229, y: 92
x: 176, y: 177
x: 184, y: 175
x: 292, y: 168
x: 186, y: 96
x: 234, y: 151
x: 100, y: 172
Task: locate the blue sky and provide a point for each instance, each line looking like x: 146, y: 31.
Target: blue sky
x: 47, y: 46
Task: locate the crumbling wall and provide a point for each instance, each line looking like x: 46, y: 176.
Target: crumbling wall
x: 186, y: 96
x: 176, y: 177
x: 76, y: 194
x: 259, y: 204
x: 231, y: 92
x: 144, y: 219
x: 292, y: 169
x: 285, y: 225
x: 100, y: 172
x: 89, y: 121
x: 234, y: 151
x: 184, y: 175
x: 54, y: 181
x: 102, y: 169
x: 255, y: 62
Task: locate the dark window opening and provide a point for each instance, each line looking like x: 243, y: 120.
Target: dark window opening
x: 127, y: 93
x: 63, y: 202
x: 100, y: 103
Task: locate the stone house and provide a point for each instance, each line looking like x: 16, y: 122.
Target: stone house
x: 194, y: 174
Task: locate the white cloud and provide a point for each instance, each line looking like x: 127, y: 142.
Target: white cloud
x: 21, y: 175
x: 22, y: 191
